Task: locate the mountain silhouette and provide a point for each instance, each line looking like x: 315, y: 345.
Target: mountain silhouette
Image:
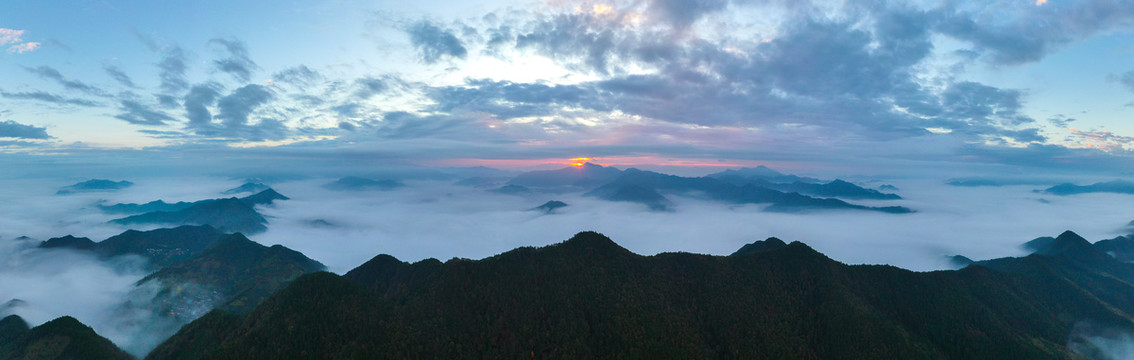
x: 588, y: 297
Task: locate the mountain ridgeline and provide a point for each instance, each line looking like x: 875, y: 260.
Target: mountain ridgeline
x: 590, y: 298
x: 229, y: 214
x: 645, y: 187
x: 760, y: 185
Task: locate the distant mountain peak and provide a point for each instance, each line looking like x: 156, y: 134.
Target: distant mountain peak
x: 591, y: 242
x: 771, y: 243
x: 94, y: 185
x: 550, y: 206
x: 68, y: 241
x: 1072, y: 246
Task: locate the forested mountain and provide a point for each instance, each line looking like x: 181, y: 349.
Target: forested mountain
x: 590, y: 298
x: 234, y: 274
x: 62, y: 338
x: 162, y: 247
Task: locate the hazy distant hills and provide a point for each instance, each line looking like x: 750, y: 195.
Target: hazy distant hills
x: 762, y: 173
x: 62, y: 338
x: 590, y: 298
x: 584, y: 177
x: 352, y: 183
x: 94, y: 185
x: 764, y: 177
x: 248, y: 187
x: 644, y: 187
x: 760, y: 185
x: 231, y: 214
x: 1116, y: 186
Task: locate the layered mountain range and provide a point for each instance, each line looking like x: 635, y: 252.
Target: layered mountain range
x: 590, y: 298
x: 227, y: 214
x: 761, y: 185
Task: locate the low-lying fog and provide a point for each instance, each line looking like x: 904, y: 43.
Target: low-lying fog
x: 440, y: 220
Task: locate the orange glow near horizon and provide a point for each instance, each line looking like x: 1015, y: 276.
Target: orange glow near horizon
x: 618, y: 161
x: 578, y: 162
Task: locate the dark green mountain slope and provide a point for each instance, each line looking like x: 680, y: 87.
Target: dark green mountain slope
x: 233, y: 274
x: 62, y: 338
x: 161, y: 246
x: 12, y: 328
x: 590, y: 298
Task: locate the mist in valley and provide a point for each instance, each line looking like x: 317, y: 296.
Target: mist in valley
x: 439, y: 219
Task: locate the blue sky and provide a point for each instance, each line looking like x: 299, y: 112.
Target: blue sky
x: 800, y: 84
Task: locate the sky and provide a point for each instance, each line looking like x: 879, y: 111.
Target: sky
x: 873, y: 86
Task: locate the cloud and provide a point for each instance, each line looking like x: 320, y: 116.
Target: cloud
x: 237, y: 106
x: 1126, y: 79
x: 50, y: 98
x: 11, y: 36
x: 50, y: 73
x: 238, y: 63
x: 1022, y: 33
x: 367, y: 87
x: 12, y: 129
x: 140, y: 114
x: 15, y: 37
x: 234, y: 112
x: 23, y: 48
x: 197, y: 103
x: 1100, y: 139
x: 119, y: 76
x: 434, y: 43
x: 172, y: 67
x: 682, y: 13
x: 298, y: 75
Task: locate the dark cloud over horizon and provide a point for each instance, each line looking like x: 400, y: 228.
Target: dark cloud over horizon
x: 12, y: 129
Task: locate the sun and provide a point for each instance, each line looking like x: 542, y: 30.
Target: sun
x: 578, y: 162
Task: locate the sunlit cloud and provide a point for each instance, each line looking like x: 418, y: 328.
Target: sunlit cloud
x: 1100, y: 139
x: 10, y: 36
x: 1041, y: 2
x: 23, y: 48
x: 15, y: 37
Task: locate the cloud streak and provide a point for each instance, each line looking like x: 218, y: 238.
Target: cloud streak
x: 12, y: 129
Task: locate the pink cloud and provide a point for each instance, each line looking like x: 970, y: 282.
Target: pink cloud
x: 10, y: 36
x: 1102, y: 140
x: 23, y: 48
